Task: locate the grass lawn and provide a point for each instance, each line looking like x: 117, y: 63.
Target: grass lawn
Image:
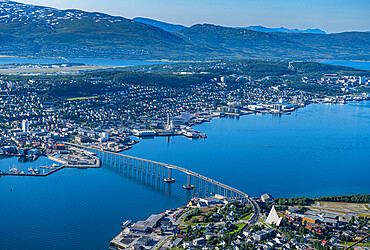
x: 203, y: 212
x: 81, y: 98
x: 359, y: 244
x: 246, y: 217
x: 240, y: 227
x: 261, y: 220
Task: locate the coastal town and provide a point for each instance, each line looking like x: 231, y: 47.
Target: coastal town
x: 184, y: 125
x: 68, y: 130
x: 222, y: 223
x: 118, y: 110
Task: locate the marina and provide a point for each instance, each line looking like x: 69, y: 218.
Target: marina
x: 32, y: 172
x: 71, y: 158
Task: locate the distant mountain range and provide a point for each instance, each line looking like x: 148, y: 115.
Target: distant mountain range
x: 162, y: 25
x: 175, y: 27
x: 283, y: 30
x: 28, y: 30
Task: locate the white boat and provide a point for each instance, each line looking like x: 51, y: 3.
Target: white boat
x: 31, y: 170
x: 13, y: 170
x: 142, y: 133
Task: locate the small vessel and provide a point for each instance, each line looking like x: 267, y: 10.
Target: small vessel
x: 126, y: 223
x: 13, y: 170
x: 31, y: 170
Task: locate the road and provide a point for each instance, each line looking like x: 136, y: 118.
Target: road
x: 257, y: 214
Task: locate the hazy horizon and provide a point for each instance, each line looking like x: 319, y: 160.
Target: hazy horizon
x: 331, y: 16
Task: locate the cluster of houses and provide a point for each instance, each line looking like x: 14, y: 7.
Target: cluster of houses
x: 133, y: 106
x: 346, y: 83
x: 315, y: 221
x: 322, y: 222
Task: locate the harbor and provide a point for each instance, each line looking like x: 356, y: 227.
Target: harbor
x: 32, y: 171
x: 69, y: 157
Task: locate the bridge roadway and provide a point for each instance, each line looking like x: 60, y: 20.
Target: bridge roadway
x: 253, y: 220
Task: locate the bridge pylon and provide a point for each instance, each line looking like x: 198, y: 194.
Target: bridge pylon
x: 188, y: 185
x: 169, y: 179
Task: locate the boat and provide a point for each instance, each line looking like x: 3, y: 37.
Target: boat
x: 190, y: 134
x: 13, y: 170
x: 126, y: 224
x: 143, y: 133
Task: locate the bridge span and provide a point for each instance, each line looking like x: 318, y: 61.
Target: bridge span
x: 158, y: 172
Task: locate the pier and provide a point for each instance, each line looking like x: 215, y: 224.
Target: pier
x: 24, y: 174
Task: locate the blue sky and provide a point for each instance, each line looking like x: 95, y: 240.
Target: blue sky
x: 329, y: 15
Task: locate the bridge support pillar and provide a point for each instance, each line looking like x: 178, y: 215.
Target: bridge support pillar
x: 169, y: 177
x: 188, y: 185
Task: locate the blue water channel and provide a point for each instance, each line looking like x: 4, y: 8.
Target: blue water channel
x: 353, y: 64
x: 321, y: 149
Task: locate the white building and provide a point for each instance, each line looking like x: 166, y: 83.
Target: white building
x: 362, y: 80
x: 267, y: 198
x: 273, y: 217
x: 104, y: 137
x: 10, y: 85
x: 25, y: 126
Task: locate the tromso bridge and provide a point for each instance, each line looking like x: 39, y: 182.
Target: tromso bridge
x: 153, y: 172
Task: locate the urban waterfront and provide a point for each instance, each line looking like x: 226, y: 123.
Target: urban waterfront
x: 318, y: 150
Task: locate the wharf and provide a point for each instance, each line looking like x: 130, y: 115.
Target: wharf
x: 40, y: 175
x: 84, y: 159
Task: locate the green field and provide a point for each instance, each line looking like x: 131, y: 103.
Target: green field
x: 246, y: 217
x: 240, y: 227
x: 359, y: 244
x: 81, y: 98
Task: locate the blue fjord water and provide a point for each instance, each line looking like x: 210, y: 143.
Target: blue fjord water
x: 353, y: 64
x: 321, y: 149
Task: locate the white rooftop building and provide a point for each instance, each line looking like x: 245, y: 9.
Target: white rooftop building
x: 25, y: 126
x: 273, y: 217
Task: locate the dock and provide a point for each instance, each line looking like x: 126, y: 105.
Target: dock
x: 24, y: 174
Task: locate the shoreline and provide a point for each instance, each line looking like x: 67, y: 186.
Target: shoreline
x: 53, y: 169
x: 243, y: 113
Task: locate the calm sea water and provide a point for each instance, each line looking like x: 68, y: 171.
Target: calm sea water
x: 318, y: 150
x: 88, y: 61
x: 353, y: 64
